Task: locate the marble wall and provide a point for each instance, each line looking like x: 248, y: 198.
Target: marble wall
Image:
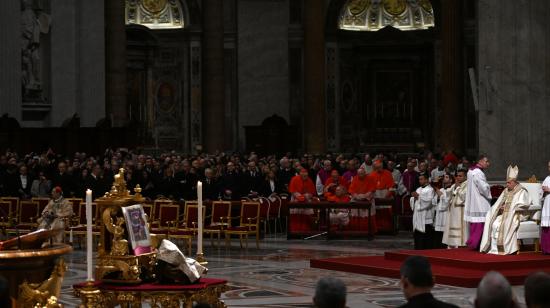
x: 73, y: 62
x: 262, y: 61
x: 514, y: 85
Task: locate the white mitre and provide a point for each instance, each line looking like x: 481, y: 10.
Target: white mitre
x: 512, y: 173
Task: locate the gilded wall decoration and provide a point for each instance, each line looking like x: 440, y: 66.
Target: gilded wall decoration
x: 373, y: 15
x: 155, y: 14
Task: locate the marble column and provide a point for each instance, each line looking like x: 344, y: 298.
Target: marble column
x: 91, y: 63
x: 10, y: 58
x: 213, y: 76
x: 115, y: 61
x: 451, y: 132
x: 514, y: 86
x: 314, y: 76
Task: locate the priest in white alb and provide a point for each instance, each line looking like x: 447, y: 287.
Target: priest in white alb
x: 478, y: 201
x: 456, y: 229
x: 442, y: 198
x: 502, y: 223
x: 423, y: 213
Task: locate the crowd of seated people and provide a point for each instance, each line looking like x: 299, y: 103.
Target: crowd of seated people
x: 225, y: 175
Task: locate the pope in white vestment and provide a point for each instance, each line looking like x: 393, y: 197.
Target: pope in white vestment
x: 456, y: 229
x: 502, y: 223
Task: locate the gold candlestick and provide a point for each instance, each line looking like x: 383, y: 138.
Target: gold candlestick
x: 201, y: 259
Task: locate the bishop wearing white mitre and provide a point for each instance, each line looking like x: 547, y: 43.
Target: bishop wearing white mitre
x: 501, y: 223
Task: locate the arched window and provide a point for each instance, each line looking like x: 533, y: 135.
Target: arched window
x: 373, y: 15
x: 155, y: 14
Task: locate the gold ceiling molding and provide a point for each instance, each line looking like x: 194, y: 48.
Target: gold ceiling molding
x: 155, y: 14
x: 373, y: 15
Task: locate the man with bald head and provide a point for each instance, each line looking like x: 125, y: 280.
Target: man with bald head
x: 494, y: 291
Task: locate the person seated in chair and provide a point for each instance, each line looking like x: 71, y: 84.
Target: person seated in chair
x: 301, y: 187
x: 211, y: 187
x: 303, y: 190
x: 501, y: 222
x: 270, y: 185
x: 332, y: 182
x: 55, y: 213
x: 383, y: 181
x: 340, y: 217
x: 340, y: 195
x: 251, y: 180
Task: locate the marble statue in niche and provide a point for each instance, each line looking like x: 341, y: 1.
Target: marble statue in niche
x: 33, y: 24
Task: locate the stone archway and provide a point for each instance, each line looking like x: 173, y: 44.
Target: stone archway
x: 163, y: 74
x: 383, y: 86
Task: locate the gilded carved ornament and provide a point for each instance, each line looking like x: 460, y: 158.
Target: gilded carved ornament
x: 373, y: 15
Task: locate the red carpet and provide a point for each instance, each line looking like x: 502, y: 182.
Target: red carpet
x: 457, y: 267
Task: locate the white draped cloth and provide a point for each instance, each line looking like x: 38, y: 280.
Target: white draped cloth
x: 478, y: 197
x: 545, y: 219
x: 456, y: 229
x: 423, y: 209
x: 502, y: 223
x: 441, y: 209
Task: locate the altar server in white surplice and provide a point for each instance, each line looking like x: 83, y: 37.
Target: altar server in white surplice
x: 423, y: 214
x: 502, y: 223
x: 478, y: 201
x: 441, y: 201
x: 456, y: 229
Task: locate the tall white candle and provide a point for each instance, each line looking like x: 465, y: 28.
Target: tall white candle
x: 199, y: 216
x: 89, y: 235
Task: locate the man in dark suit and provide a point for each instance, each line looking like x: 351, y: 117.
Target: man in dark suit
x: 24, y: 182
x: 230, y: 183
x: 210, y: 186
x: 252, y: 180
x: 186, y: 181
x: 64, y: 180
x: 417, y: 283
x: 96, y: 182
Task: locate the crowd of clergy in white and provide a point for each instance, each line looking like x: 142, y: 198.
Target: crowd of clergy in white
x: 461, y: 214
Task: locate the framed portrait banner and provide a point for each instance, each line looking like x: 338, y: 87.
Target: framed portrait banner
x: 136, y: 224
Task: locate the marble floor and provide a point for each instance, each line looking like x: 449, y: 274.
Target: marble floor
x: 278, y: 274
